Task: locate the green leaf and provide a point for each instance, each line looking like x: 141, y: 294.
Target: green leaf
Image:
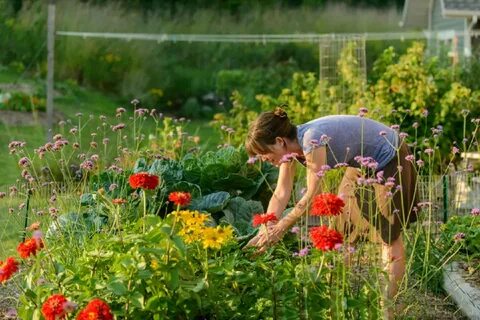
x: 241, y: 212
x: 235, y: 182
x: 36, y: 315
x: 137, y: 299
x: 140, y: 165
x: 169, y: 170
x: 212, y: 173
x: 192, y: 188
x: 212, y: 203
x: 192, y: 171
x: 174, y: 279
x: 31, y: 295
x: 153, y: 303
x: 117, y: 287
x: 87, y: 199
x: 200, y: 285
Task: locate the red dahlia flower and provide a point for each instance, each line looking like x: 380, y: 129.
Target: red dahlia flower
x: 325, y: 239
x: 29, y: 247
x: 54, y: 307
x: 327, y: 204
x: 180, y: 198
x: 96, y: 309
x: 143, y: 180
x: 7, y: 269
x: 259, y: 219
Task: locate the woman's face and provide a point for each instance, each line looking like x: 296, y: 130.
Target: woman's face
x: 277, y: 151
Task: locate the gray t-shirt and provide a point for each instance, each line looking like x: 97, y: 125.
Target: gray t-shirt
x: 347, y: 137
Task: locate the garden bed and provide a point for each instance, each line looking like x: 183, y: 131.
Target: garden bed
x: 464, y: 288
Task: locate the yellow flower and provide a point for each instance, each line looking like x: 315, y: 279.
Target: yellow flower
x: 225, y: 233
x: 191, y: 233
x: 154, y: 264
x: 211, y: 239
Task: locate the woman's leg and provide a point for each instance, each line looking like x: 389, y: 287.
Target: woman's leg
x: 393, y: 258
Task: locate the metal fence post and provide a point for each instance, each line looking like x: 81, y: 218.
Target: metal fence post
x: 445, y: 198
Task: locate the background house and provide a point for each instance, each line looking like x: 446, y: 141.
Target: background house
x: 452, y: 24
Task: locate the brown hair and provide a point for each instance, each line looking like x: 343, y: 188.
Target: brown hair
x: 266, y: 128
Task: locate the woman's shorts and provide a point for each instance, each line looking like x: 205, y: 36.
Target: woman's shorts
x: 388, y: 210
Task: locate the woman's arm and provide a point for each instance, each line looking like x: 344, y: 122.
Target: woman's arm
x: 283, y: 190
x: 315, y: 160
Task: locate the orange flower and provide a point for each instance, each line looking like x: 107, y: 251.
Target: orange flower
x: 96, y: 309
x: 327, y: 204
x: 7, y: 269
x: 259, y: 219
x: 29, y: 247
x: 34, y: 226
x: 143, y: 180
x: 54, y: 307
x: 180, y: 198
x: 325, y: 239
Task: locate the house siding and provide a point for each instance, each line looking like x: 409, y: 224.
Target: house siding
x: 439, y: 23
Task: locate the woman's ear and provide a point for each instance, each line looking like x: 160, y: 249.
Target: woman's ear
x: 280, y: 142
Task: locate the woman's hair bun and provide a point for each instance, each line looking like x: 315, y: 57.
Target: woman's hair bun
x: 279, y: 112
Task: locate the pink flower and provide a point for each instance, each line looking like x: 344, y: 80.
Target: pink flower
x: 295, y: 230
x: 252, y: 160
x: 288, y: 157
x: 476, y: 211
x: 24, y: 162
x: 119, y: 126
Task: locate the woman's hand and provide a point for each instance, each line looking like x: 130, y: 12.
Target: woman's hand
x: 267, y: 237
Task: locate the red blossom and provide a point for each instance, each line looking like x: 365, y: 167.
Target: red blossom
x: 143, y: 180
x: 325, y: 239
x: 54, y: 307
x: 327, y: 204
x: 29, y: 247
x: 264, y: 218
x: 7, y: 269
x: 96, y: 309
x: 180, y: 198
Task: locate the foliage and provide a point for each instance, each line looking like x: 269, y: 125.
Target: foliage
x: 462, y: 232
x: 134, y: 69
x: 156, y: 274
x: 402, y: 90
x: 20, y: 101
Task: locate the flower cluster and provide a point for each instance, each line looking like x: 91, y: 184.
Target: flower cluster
x: 327, y: 204
x: 180, y: 198
x: 30, y: 247
x: 54, y: 307
x: 367, y: 162
x: 325, y: 239
x: 194, y: 230
x: 143, y: 180
x: 96, y: 309
x: 259, y: 219
x: 288, y: 157
x: 7, y: 269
